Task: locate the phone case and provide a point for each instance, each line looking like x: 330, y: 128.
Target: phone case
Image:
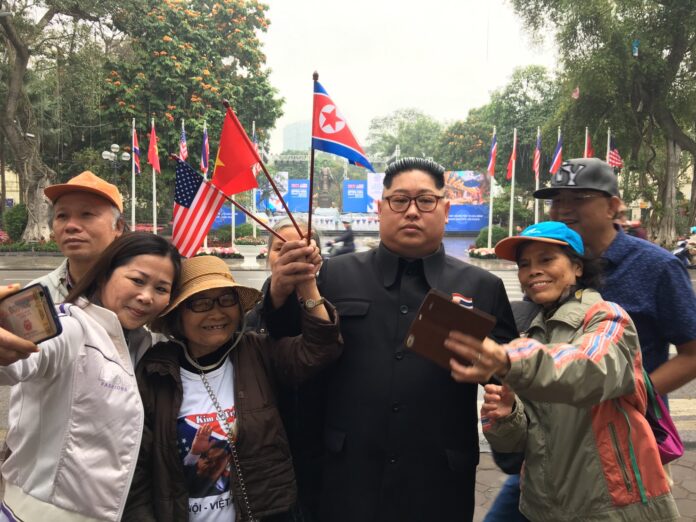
x: 436, y: 317
x: 30, y: 314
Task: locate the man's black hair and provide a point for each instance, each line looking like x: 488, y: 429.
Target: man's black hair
x: 434, y: 170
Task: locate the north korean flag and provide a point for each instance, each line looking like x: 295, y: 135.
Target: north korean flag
x: 330, y: 132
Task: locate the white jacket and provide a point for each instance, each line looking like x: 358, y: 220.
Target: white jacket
x: 76, y: 421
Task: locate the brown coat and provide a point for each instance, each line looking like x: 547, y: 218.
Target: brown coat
x: 158, y: 491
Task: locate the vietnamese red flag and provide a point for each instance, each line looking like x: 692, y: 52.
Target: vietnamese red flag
x: 236, y: 158
x: 511, y: 161
x: 589, y: 151
x: 152, y: 151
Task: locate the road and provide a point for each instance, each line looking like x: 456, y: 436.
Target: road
x: 682, y: 402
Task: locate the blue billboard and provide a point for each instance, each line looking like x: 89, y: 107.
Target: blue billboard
x: 297, y: 196
x: 467, y: 218
x: 224, y: 217
x: 355, y: 198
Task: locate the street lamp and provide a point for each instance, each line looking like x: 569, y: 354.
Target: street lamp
x: 113, y: 157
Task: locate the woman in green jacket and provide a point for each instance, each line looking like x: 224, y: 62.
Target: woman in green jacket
x: 573, y: 395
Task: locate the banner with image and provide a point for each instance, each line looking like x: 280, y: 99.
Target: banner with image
x: 467, y: 192
x: 355, y: 195
x: 297, y: 196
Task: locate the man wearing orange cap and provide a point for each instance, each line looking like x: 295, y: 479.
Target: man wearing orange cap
x: 86, y: 219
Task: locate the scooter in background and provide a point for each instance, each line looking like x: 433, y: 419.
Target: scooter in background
x: 684, y: 254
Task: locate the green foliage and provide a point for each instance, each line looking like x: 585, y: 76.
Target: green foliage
x: 197, y: 54
x: 15, y: 220
x: 415, y: 133
x: 223, y: 235
x: 498, y: 234
x: 245, y: 229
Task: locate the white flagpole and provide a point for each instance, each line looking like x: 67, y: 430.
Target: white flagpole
x: 536, y: 180
x: 512, y: 184
x: 490, y: 205
x: 133, y: 176
x: 608, y: 143
x: 154, y: 186
x: 587, y: 131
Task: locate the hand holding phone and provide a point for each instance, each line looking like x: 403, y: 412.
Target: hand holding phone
x: 13, y: 347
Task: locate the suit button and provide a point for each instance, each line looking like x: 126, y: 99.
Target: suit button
x: 403, y: 309
x: 399, y: 355
x: 396, y: 407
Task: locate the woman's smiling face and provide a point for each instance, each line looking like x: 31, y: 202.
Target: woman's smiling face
x: 545, y: 272
x: 207, y: 331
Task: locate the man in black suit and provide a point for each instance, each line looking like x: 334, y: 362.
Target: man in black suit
x: 401, y: 438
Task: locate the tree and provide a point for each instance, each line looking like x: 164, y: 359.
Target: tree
x: 31, y: 30
x: 634, y: 61
x: 413, y: 132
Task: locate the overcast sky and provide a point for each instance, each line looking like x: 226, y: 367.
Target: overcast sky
x: 375, y: 56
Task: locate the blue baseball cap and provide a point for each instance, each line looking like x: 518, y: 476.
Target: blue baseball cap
x: 553, y: 232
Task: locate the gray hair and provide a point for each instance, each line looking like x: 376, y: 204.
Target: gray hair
x: 287, y: 223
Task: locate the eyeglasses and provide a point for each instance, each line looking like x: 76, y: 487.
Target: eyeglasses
x: 575, y: 199
x: 424, y: 202
x: 205, y: 304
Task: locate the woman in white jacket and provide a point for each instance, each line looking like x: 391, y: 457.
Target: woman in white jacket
x: 75, y: 412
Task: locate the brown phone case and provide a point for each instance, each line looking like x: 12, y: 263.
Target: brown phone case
x: 436, y: 317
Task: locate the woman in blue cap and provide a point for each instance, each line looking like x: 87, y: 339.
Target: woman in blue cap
x: 573, y: 396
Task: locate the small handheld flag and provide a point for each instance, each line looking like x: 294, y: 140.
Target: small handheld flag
x: 236, y: 158
x: 493, y: 156
x: 196, y: 204
x: 330, y: 132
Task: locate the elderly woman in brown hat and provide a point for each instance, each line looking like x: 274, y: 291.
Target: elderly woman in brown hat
x: 214, y: 447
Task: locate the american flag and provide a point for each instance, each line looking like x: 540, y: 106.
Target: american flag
x: 183, y: 149
x: 536, y: 162
x: 205, y: 152
x: 196, y: 204
x: 613, y: 156
x: 492, y: 157
x: 136, y: 151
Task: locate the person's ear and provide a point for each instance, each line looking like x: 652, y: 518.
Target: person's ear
x: 379, y: 202
x: 578, y: 269
x: 446, y: 203
x: 614, y: 206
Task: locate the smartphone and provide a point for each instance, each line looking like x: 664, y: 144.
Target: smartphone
x: 30, y: 314
x: 436, y: 317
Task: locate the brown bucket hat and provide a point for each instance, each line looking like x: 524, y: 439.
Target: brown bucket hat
x: 206, y: 273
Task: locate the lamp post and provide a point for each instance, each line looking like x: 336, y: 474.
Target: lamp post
x: 113, y: 157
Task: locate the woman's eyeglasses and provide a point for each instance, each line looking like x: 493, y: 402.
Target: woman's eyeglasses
x: 424, y: 202
x: 205, y: 304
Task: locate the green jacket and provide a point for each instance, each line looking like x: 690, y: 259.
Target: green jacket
x: 580, y: 419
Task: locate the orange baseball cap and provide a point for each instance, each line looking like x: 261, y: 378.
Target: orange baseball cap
x: 86, y: 182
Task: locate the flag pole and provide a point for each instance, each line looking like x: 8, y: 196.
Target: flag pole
x: 587, y: 130
x: 608, y: 144
x: 490, y: 206
x: 263, y: 168
x: 253, y: 191
x: 154, y: 186
x: 536, y: 180
x: 315, y: 78
x: 512, y: 184
x: 132, y: 176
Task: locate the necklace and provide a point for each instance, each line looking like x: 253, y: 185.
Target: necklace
x: 200, y: 368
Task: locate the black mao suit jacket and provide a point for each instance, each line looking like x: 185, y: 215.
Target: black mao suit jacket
x: 401, y: 438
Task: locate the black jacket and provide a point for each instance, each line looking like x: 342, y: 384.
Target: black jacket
x: 158, y: 489
x: 401, y: 435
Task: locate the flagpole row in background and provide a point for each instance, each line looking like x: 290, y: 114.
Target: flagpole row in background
x: 136, y: 153
x: 511, y: 177
x: 536, y: 167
